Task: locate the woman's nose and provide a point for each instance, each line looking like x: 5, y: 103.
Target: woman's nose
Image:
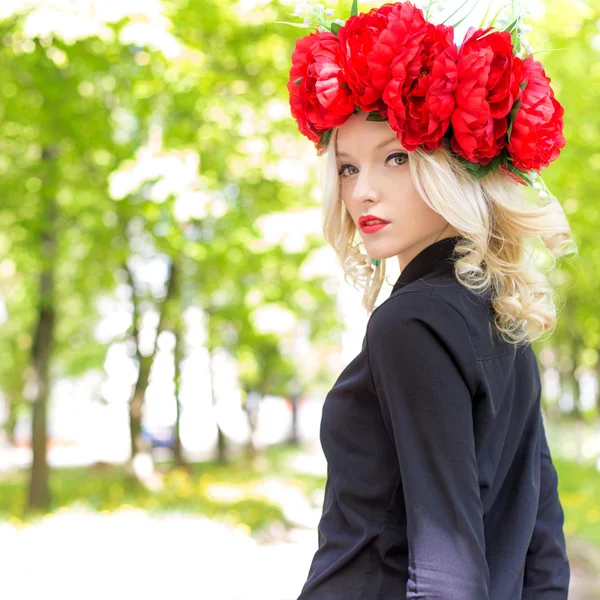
x: 365, y: 188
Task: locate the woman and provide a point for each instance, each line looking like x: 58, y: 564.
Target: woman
x: 440, y: 481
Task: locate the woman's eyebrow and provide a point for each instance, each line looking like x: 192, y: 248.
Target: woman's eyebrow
x: 381, y: 145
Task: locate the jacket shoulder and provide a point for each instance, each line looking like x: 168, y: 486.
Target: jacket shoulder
x: 450, y: 298
x: 412, y: 320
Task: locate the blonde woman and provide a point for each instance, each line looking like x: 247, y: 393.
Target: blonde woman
x: 440, y: 481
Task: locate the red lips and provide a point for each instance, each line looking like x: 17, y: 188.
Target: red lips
x: 366, y: 218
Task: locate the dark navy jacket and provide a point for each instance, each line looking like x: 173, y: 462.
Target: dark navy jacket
x: 440, y: 483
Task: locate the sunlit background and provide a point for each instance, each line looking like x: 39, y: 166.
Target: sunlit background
x: 171, y: 318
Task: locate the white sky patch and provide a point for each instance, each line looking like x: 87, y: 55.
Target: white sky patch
x: 290, y: 228
x: 274, y: 319
x: 175, y: 173
x: 439, y: 11
x: 72, y: 20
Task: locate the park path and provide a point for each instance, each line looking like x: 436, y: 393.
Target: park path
x: 76, y: 554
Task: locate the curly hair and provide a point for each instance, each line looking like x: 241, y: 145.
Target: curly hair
x: 502, y: 228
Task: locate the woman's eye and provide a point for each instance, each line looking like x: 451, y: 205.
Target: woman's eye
x: 343, y: 168
x: 399, y: 155
x: 343, y: 172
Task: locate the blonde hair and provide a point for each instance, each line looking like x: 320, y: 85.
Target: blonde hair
x: 501, y: 227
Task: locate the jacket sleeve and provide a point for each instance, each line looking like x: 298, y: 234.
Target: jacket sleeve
x: 547, y: 570
x: 423, y: 366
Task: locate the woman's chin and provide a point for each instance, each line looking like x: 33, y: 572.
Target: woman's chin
x: 377, y: 255
x: 379, y: 251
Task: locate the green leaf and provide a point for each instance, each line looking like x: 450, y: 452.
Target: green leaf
x: 522, y: 174
x: 492, y: 30
x: 515, y: 109
x: 470, y: 11
x: 301, y: 25
x: 472, y: 166
x: 510, y: 28
x: 375, y: 116
x: 508, y: 132
x: 325, y: 137
x: 516, y: 42
x: 451, y: 15
x: 477, y: 170
x: 487, y: 10
x: 354, y: 10
x: 548, y: 50
x: 494, y: 164
x: 335, y: 27
x: 511, y: 117
x: 496, y: 16
x: 298, y: 81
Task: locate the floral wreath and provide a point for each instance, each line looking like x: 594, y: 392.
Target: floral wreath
x: 488, y: 100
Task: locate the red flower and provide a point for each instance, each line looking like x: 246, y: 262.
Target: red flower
x: 488, y: 87
x: 357, y: 37
x: 398, y: 41
x: 537, y: 134
x: 319, y: 96
x: 420, y: 93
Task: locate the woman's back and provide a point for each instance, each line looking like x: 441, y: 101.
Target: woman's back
x: 440, y: 482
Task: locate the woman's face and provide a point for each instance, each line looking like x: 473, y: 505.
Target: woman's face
x: 375, y: 180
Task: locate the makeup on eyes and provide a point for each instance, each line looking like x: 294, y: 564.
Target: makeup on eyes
x: 343, y: 166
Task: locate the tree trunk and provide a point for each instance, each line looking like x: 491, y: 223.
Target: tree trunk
x: 569, y: 374
x: 221, y: 457
x: 39, y: 492
x: 294, y: 439
x: 597, y: 395
x: 221, y: 446
x: 136, y: 406
x: 178, y: 457
x: 569, y: 381
x: 251, y: 408
x: 12, y: 404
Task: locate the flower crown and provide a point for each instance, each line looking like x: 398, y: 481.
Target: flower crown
x: 488, y: 99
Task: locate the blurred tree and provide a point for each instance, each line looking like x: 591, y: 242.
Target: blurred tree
x: 75, y: 112
x: 567, y: 42
x: 57, y: 152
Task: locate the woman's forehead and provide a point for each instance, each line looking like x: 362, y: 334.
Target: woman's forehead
x: 359, y: 134
x: 348, y: 145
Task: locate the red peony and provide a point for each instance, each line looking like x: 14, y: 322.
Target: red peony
x: 398, y: 41
x: 537, y: 134
x: 488, y: 87
x: 420, y: 93
x: 357, y: 37
x: 319, y: 96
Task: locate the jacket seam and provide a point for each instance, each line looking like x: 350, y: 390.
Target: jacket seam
x: 430, y: 296
x: 511, y: 353
x: 448, y: 304
x: 442, y: 301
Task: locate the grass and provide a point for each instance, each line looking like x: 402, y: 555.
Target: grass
x: 579, y: 493
x: 232, y: 492
x: 229, y: 493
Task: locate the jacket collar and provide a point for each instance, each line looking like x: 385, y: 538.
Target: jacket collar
x: 435, y: 257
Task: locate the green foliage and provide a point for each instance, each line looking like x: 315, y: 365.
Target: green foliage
x: 76, y: 113
x: 564, y: 42
x: 579, y: 490
x: 195, y: 492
